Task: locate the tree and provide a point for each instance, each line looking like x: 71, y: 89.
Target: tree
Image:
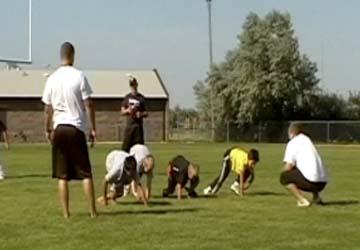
x: 265, y: 77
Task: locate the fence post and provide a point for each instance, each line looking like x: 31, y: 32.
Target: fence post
x: 328, y: 132
x: 227, y: 131
x: 259, y: 132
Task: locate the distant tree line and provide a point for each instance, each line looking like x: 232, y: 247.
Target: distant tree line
x: 267, y: 78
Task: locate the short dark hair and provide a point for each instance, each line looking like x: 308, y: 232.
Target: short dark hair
x: 296, y: 128
x: 67, y: 50
x: 254, y: 155
x: 133, y: 82
x: 129, y: 163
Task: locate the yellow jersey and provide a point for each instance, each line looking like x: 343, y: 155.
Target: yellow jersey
x: 239, y: 160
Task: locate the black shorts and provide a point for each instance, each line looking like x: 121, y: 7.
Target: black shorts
x: 70, y: 156
x: 294, y: 176
x: 133, y: 134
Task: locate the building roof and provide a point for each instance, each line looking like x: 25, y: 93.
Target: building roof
x: 105, y: 83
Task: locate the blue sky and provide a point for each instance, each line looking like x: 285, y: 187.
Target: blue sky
x: 171, y: 35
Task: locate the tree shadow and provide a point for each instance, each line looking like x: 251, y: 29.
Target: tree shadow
x: 28, y: 176
x: 341, y: 203
x: 151, y: 203
x: 151, y: 211
x: 265, y: 193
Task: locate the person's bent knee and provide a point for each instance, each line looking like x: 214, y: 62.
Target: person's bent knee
x: 284, y: 180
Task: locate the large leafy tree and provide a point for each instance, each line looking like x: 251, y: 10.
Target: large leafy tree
x: 265, y: 77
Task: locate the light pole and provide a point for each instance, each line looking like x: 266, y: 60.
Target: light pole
x: 211, y: 63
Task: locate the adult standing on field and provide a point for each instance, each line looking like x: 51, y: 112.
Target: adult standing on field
x: 67, y: 99
x: 303, y: 169
x: 133, y: 107
x: 3, y: 132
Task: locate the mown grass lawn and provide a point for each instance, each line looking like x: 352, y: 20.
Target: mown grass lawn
x: 265, y: 219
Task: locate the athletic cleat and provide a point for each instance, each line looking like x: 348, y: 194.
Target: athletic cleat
x: 126, y: 190
x: 208, y: 191
x: 2, y: 177
x: 318, y: 201
x: 303, y: 203
x: 235, y: 188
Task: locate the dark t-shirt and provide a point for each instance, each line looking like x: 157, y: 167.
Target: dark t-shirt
x: 136, y: 102
x: 3, y: 128
x: 179, y: 169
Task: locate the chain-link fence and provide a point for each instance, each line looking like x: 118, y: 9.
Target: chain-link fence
x: 271, y: 131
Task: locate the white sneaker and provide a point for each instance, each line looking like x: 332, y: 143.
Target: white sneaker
x: 2, y: 177
x: 126, y: 190
x: 208, y: 191
x: 235, y: 188
x: 303, y: 203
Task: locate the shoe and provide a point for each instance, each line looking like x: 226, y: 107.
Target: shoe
x: 303, y: 203
x: 2, y: 177
x: 126, y: 190
x: 208, y: 191
x: 317, y: 201
x: 235, y: 188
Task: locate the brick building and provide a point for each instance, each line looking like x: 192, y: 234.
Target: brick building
x: 22, y: 111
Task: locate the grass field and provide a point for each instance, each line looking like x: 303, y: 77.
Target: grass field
x: 265, y: 219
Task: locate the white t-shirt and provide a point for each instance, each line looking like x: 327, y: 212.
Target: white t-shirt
x: 65, y: 91
x: 301, y: 152
x: 115, y: 165
x: 139, y: 152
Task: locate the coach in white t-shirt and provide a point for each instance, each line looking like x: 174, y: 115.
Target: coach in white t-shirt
x: 68, y: 104
x: 304, y: 169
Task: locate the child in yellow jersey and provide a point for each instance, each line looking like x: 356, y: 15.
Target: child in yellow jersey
x: 242, y: 163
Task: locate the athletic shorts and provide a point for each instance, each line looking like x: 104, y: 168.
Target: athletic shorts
x: 294, y: 176
x: 70, y: 156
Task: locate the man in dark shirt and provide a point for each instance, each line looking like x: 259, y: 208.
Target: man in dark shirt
x: 180, y: 171
x: 133, y: 107
x: 3, y: 133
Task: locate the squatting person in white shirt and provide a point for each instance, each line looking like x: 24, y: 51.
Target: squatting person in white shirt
x: 144, y: 166
x: 121, y: 171
x: 67, y: 99
x: 304, y: 169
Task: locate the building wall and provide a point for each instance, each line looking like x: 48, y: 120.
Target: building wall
x: 24, y: 119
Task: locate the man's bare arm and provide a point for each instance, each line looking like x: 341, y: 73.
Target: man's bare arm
x: 288, y: 166
x: 48, y: 114
x: 90, y: 111
x: 125, y: 111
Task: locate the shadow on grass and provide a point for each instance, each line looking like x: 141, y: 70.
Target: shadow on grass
x: 265, y: 193
x: 341, y: 203
x: 173, y: 197
x: 151, y: 203
x: 28, y: 176
x: 151, y: 211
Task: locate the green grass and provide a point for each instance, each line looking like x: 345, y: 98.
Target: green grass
x: 30, y: 216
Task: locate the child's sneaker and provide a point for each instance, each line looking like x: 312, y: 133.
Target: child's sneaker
x: 235, y: 188
x: 208, y: 191
x: 303, y: 203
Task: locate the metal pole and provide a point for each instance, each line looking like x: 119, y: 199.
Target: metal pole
x: 30, y: 30
x: 212, y: 115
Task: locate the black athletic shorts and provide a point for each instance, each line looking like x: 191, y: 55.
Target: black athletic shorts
x: 70, y: 156
x: 133, y: 134
x: 294, y: 176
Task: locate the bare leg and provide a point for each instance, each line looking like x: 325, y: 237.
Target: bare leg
x: 90, y: 195
x: 295, y: 191
x: 64, y: 197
